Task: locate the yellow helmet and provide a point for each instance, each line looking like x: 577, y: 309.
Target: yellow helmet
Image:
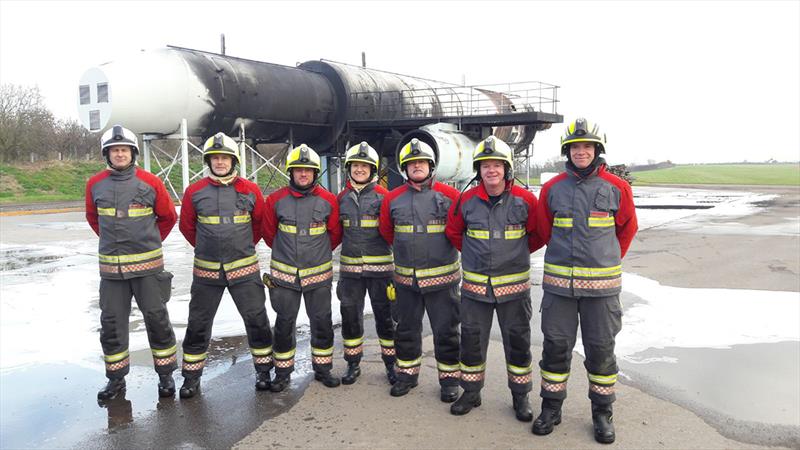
x: 303, y: 156
x: 582, y: 130
x: 416, y: 150
x: 220, y: 144
x: 364, y: 153
x: 493, y: 148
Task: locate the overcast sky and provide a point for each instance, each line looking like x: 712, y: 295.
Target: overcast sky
x: 687, y: 81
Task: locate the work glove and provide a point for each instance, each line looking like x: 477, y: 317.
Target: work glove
x: 390, y: 292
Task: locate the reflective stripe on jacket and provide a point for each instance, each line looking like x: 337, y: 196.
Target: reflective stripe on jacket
x: 364, y: 252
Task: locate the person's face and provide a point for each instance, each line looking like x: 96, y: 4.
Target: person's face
x: 418, y: 170
x: 120, y: 156
x: 492, y: 173
x: 581, y: 154
x: 302, y: 176
x: 221, y: 164
x: 359, y: 172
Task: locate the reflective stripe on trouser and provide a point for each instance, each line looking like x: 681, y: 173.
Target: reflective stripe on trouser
x: 600, y: 321
x: 443, y: 311
x: 351, y: 292
x: 514, y: 318
x: 249, y: 298
x: 115, y: 311
x: 286, y: 303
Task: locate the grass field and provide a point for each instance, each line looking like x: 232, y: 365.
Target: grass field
x: 46, y: 181
x: 735, y: 174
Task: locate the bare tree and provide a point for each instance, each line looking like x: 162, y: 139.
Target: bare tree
x: 26, y: 125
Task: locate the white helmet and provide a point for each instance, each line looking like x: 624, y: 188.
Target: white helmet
x: 119, y: 135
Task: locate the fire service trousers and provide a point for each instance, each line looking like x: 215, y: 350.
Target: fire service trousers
x: 286, y: 303
x: 600, y: 320
x: 443, y: 312
x: 351, y: 292
x: 115, y: 311
x: 249, y: 298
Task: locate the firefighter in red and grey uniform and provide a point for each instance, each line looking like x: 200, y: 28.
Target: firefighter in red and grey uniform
x: 221, y: 217
x: 301, y: 225
x: 130, y: 210
x: 412, y: 219
x: 492, y: 224
x: 587, y: 219
x: 366, y: 263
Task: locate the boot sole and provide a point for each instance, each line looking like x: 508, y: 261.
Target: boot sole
x: 604, y: 440
x: 349, y: 381
x: 545, y: 432
x: 106, y: 399
x: 461, y: 413
x: 185, y: 394
x: 400, y: 394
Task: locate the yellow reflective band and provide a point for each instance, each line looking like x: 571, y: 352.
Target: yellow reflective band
x: 242, y: 219
x: 283, y: 267
x: 369, y: 223
x: 412, y: 363
x: 601, y: 221
x: 378, y: 259
x: 592, y: 272
x: 478, y: 234
x: 261, y: 351
x: 603, y: 379
x: 350, y: 260
x: 404, y: 228
x: 354, y: 342
x: 316, y: 231
x: 287, y: 228
x: 194, y: 358
x: 433, y: 271
x: 518, y: 370
x: 116, y: 357
x: 207, y: 264
x: 209, y: 220
x: 285, y: 355
x: 241, y: 263
x: 476, y: 277
x: 165, y: 352
x: 130, y: 258
x: 554, y: 377
x: 515, y: 234
x: 386, y: 342
x: 436, y: 228
x: 473, y: 369
x: 557, y: 270
x: 322, y: 351
x: 448, y: 367
x: 140, y: 212
x: 106, y: 211
x: 511, y: 278
x: 346, y: 223
x: 312, y: 270
x: 562, y: 222
x: 406, y: 271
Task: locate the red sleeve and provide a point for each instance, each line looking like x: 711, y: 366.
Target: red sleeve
x: 91, y: 208
x: 164, y: 208
x: 626, y: 221
x: 385, y: 222
x: 258, y: 214
x: 542, y: 216
x: 334, y: 227
x: 534, y: 241
x: 269, y: 222
x: 454, y: 230
x: 188, y: 222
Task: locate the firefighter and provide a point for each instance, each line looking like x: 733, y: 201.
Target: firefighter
x: 366, y: 263
x: 131, y: 212
x: 221, y: 217
x: 426, y: 276
x: 492, y: 224
x: 586, y: 218
x: 301, y: 225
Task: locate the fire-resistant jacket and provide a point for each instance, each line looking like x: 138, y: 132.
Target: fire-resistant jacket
x: 364, y: 252
x: 588, y: 225
x: 132, y: 213
x: 495, y: 242
x: 223, y: 224
x: 413, y: 221
x: 302, y: 230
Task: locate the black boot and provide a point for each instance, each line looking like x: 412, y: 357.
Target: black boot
x: 327, y: 379
x: 281, y: 382
x: 191, y: 386
x: 522, y: 407
x: 263, y: 381
x: 353, y: 372
x: 448, y: 394
x: 401, y: 388
x: 603, y: 419
x: 166, y: 385
x: 391, y: 375
x: 549, y: 417
x: 468, y: 400
x: 114, y: 387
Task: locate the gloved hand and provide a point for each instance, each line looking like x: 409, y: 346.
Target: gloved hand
x: 390, y: 292
x: 267, y: 281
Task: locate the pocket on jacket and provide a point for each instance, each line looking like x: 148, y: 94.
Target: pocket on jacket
x: 245, y: 202
x: 164, y: 279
